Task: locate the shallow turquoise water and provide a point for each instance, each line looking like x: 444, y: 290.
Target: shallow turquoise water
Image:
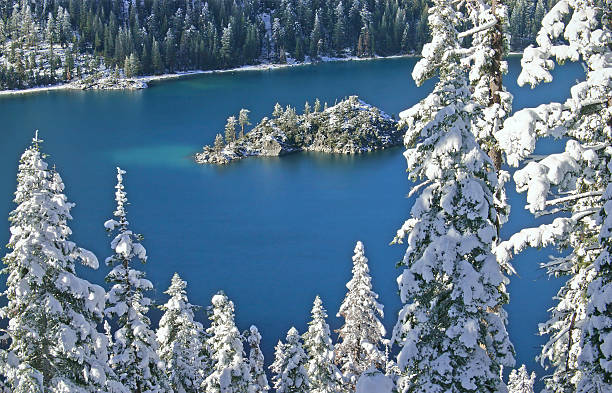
x: 271, y: 232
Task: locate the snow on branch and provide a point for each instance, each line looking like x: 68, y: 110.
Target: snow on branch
x: 542, y: 236
x: 574, y: 197
x: 477, y: 29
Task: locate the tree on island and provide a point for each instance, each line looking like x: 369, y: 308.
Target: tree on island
x: 134, y: 352
x: 362, y: 334
x: 323, y: 374
x: 230, y: 129
x: 278, y: 111
x: 219, y: 144
x: 179, y: 337
x: 307, y: 108
x: 52, y: 314
x: 243, y: 119
x: 290, y: 364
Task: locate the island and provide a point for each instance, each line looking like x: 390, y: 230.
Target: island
x: 349, y: 127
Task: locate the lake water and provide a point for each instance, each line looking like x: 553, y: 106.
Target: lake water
x: 273, y: 232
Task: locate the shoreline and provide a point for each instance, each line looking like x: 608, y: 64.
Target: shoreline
x: 183, y: 74
x: 146, y: 79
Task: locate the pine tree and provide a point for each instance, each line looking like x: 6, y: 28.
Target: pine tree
x: 52, y: 313
x: 569, y: 182
x: 323, y: 375
x: 243, y: 119
x: 339, y: 35
x: 451, y: 329
x: 289, y: 367
x: 362, y: 333
x: 227, y: 45
x: 134, y: 353
x: 219, y: 144
x: 179, y: 336
x: 230, y: 129
x: 278, y: 111
x: 316, y: 37
x: 256, y: 362
x: 595, y: 358
x: 158, y: 65
x: 520, y: 381
x: 230, y: 369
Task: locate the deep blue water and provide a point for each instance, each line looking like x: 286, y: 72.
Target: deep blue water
x: 273, y: 232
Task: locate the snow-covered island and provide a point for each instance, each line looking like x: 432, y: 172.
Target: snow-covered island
x: 349, y: 127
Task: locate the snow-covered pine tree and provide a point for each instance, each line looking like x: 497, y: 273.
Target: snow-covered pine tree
x: 323, y: 374
x: 520, y: 381
x: 484, y: 58
x: 52, y: 313
x: 361, y: 335
x: 595, y: 360
x: 230, y: 369
x: 569, y: 182
x: 256, y: 361
x: 179, y: 342
x: 451, y: 329
x: 134, y: 353
x: 290, y: 363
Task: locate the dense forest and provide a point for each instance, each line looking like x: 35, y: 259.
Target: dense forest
x: 56, y: 41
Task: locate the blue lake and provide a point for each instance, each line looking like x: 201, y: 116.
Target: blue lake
x: 272, y: 233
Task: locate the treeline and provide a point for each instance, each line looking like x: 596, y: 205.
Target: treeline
x: 60, y: 40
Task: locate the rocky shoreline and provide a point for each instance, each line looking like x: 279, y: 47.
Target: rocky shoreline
x: 349, y: 127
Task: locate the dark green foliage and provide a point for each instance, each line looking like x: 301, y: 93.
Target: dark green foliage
x: 58, y: 40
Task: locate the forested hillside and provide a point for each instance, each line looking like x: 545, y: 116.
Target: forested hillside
x: 54, y: 41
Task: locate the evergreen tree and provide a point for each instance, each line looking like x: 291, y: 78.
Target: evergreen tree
x: 520, y: 381
x: 569, y: 182
x: 278, y: 111
x: 227, y: 45
x: 451, y: 329
x: 219, y: 144
x: 158, y: 65
x: 179, y: 336
x: 323, y: 375
x: 597, y: 331
x: 256, y: 362
x: 361, y: 335
x: 52, y: 313
x: 243, y: 119
x: 289, y: 367
x: 230, y: 129
x: 316, y: 37
x: 134, y: 354
x: 340, y: 28
x: 230, y: 369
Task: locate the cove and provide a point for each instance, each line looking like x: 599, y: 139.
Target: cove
x: 271, y: 232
